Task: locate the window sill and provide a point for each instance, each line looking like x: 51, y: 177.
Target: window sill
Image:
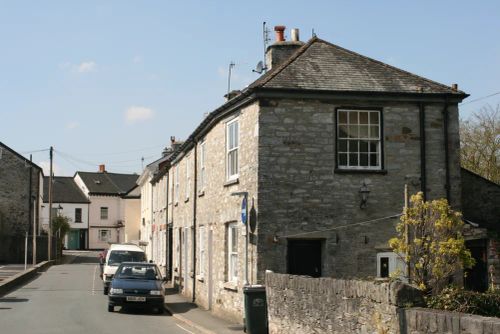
x: 200, y: 278
x: 231, y: 286
x: 360, y: 171
x: 186, y: 200
x: 201, y: 193
x: 176, y: 203
x: 231, y: 182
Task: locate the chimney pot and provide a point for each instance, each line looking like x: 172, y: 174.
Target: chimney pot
x: 102, y: 168
x: 280, y: 33
x: 172, y: 139
x: 295, y: 35
x: 454, y: 87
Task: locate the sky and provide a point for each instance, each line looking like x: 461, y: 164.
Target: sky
x: 109, y: 82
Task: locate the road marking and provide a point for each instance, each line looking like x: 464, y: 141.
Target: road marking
x: 93, y: 281
x: 184, y: 329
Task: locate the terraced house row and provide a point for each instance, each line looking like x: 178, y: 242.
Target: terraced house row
x: 323, y: 144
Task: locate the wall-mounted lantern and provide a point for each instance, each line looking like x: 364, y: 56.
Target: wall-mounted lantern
x: 363, y: 192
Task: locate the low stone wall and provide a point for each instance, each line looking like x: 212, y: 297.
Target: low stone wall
x: 298, y: 304
x: 427, y: 321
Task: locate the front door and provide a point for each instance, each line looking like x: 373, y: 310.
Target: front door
x: 304, y: 257
x: 74, y: 239
x: 476, y: 278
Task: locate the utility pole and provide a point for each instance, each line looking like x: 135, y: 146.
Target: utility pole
x: 50, y: 206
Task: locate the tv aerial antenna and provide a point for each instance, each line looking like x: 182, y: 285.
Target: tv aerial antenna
x: 231, y: 65
x: 260, y: 67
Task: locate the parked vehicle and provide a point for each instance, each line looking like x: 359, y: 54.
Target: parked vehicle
x: 137, y: 284
x: 118, y: 253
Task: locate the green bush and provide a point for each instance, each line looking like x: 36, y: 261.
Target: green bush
x: 460, y: 300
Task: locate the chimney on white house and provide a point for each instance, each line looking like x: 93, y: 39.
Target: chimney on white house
x: 282, y: 49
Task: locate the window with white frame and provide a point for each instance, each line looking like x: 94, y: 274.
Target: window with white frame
x: 389, y: 264
x: 188, y: 178
x: 104, y: 212
x: 358, y: 139
x: 232, y: 252
x: 202, y: 166
x: 176, y: 182
x: 201, y: 248
x: 78, y: 215
x: 104, y: 235
x: 232, y: 145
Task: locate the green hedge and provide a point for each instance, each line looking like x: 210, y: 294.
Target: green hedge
x: 459, y: 300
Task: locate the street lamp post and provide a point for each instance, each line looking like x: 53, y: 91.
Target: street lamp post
x: 244, y: 220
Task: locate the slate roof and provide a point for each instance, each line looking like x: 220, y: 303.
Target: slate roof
x: 64, y: 190
x: 108, y: 183
x: 320, y: 65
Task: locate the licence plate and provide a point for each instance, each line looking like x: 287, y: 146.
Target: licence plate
x: 136, y: 299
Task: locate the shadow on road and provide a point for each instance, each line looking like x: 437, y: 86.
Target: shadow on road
x: 13, y: 300
x: 86, y: 258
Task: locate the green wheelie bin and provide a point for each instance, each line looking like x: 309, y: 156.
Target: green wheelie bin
x: 255, y: 309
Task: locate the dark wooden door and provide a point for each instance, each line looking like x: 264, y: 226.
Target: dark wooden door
x: 476, y: 278
x: 304, y: 257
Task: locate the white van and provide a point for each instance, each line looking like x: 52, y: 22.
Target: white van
x: 118, y: 253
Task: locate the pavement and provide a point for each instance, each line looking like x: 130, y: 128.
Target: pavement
x: 189, y: 313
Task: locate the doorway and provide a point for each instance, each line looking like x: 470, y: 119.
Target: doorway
x: 304, y: 257
x: 476, y: 278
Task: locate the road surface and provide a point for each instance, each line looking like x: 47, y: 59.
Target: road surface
x: 68, y: 299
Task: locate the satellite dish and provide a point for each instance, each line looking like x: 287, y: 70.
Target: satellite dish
x: 259, y: 68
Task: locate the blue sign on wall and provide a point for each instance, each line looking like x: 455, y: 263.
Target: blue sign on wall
x: 244, y: 210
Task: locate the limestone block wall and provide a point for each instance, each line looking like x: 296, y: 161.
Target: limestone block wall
x: 299, y: 304
x: 215, y: 209
x: 302, y: 192
x: 14, y: 196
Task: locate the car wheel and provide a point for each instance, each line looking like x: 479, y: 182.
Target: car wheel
x: 111, y: 308
x: 105, y: 291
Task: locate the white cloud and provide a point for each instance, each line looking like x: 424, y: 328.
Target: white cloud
x: 83, y: 67
x: 86, y: 66
x: 138, y: 114
x: 72, y: 125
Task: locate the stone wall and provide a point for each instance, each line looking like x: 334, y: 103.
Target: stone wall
x: 299, y: 304
x: 14, y: 197
x: 427, y: 321
x: 303, y: 195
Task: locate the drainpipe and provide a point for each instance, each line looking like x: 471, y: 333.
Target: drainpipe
x: 423, y: 182
x: 167, y: 230
x: 446, y: 150
x: 195, y: 197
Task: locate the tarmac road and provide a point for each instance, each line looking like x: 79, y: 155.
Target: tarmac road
x: 69, y: 299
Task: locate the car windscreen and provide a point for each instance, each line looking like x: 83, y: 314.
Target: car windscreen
x: 134, y: 271
x: 118, y: 256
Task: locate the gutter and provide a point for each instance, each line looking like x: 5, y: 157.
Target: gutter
x: 446, y: 150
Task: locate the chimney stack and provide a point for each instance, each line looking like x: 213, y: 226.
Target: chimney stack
x: 281, y: 50
x: 454, y: 87
x: 280, y: 33
x: 102, y: 168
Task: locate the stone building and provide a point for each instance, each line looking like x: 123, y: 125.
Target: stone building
x: 323, y: 144
x: 20, y: 202
x: 111, y: 196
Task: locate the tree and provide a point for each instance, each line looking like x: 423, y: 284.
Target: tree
x: 60, y: 226
x: 480, y: 143
x: 429, y: 240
